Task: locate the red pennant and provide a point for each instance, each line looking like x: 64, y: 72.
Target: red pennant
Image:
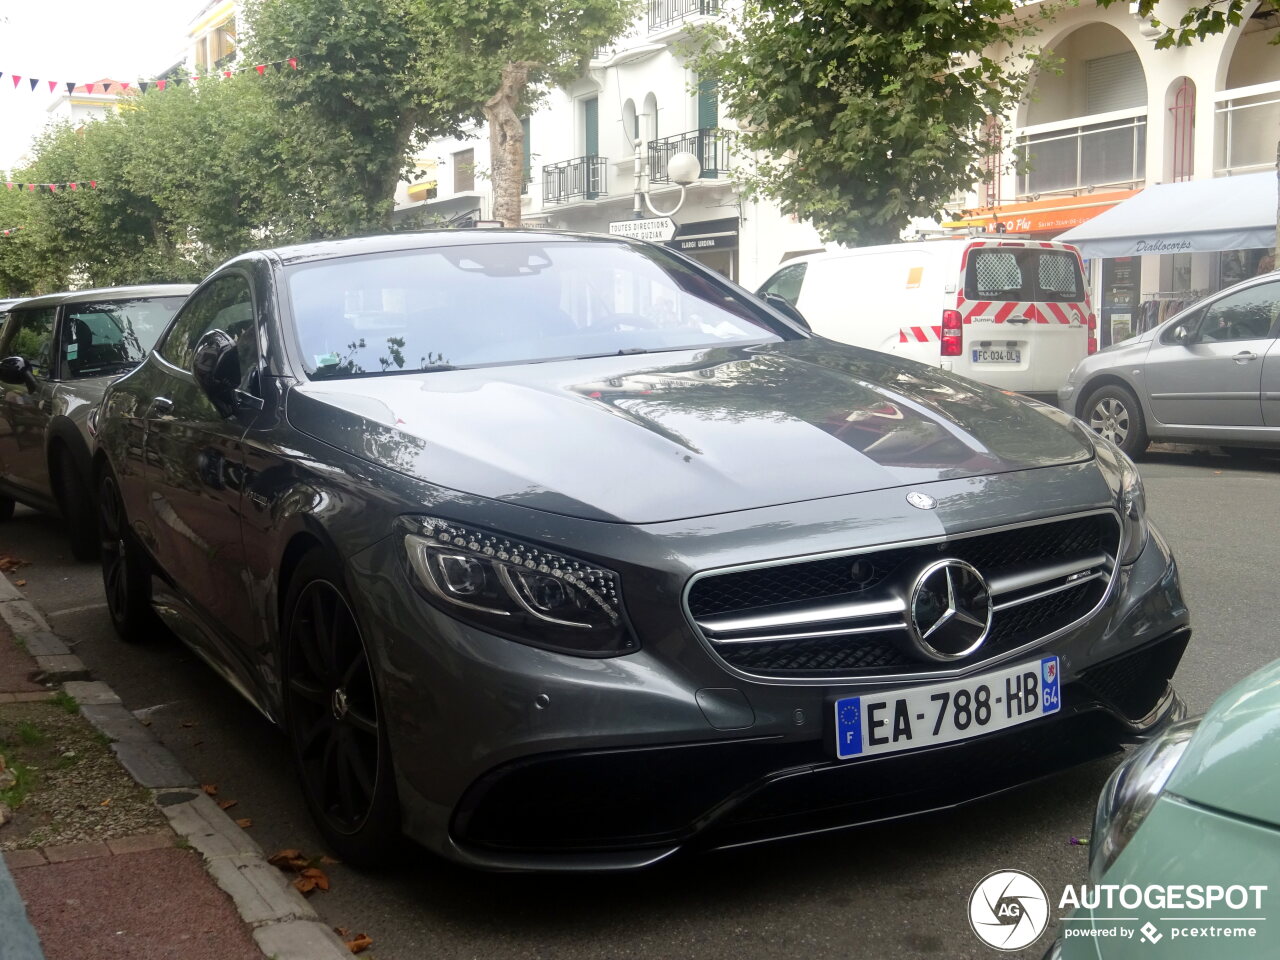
x: 261, y: 68
x: 16, y: 80
x: 293, y: 63
x: 53, y: 85
x: 161, y: 84
x: 123, y: 87
x: 31, y: 188
x: 10, y: 185
x: 226, y: 73
x: 89, y: 87
x: 73, y: 186
x: 53, y: 188
x: 93, y: 184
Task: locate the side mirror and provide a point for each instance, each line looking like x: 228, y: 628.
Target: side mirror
x: 1180, y: 334
x: 17, y: 372
x: 784, y: 307
x: 216, y: 368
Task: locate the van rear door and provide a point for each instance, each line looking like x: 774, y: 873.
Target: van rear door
x: 1026, y: 314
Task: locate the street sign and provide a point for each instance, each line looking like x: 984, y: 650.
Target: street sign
x: 657, y: 229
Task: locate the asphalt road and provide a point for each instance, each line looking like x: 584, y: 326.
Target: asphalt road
x: 897, y: 891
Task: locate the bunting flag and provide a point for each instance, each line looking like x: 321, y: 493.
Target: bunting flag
x: 123, y: 86
x: 52, y: 187
x: 9, y: 230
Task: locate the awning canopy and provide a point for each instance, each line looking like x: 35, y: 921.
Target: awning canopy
x: 1195, y: 216
x: 1041, y: 216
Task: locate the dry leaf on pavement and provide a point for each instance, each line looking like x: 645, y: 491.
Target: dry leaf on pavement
x: 359, y: 943
x: 227, y: 804
x: 328, y: 861
x: 291, y: 861
x: 21, y: 583
x: 311, y: 878
x: 9, y: 564
x: 210, y: 788
x: 105, y: 803
x: 244, y: 823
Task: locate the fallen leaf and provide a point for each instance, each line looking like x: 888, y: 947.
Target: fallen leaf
x: 227, y: 804
x: 244, y: 823
x: 317, y: 875
x: 289, y: 860
x: 145, y: 723
x: 359, y: 943
x: 210, y: 788
x: 9, y: 564
x: 343, y: 932
x: 329, y: 861
x: 105, y: 803
x: 21, y: 583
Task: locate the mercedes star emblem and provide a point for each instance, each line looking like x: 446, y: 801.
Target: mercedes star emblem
x: 949, y: 614
x: 921, y: 501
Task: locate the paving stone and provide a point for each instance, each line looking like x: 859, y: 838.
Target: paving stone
x: 63, y: 667
x: 141, y: 841
x: 90, y: 691
x: 260, y: 891
x: 18, y: 859
x: 32, y: 696
x: 114, y: 721
x: 42, y: 643
x: 23, y: 618
x: 210, y: 830
x: 151, y: 764
x: 76, y: 851
x: 8, y: 591
x: 300, y: 940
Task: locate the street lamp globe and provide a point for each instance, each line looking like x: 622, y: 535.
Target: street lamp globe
x: 683, y: 168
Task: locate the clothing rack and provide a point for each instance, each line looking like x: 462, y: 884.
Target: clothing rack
x: 1176, y: 295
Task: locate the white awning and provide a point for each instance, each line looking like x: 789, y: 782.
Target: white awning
x: 1195, y: 216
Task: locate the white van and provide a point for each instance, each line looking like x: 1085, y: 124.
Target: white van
x: 1011, y: 313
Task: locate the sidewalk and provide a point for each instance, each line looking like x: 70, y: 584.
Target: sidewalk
x: 110, y: 850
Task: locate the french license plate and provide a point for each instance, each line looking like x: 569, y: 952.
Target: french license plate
x: 944, y: 712
x: 1008, y: 355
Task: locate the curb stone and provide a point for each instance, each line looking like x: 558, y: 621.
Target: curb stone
x: 284, y: 925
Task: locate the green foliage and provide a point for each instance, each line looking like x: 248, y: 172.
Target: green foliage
x: 1198, y: 21
x: 865, y: 114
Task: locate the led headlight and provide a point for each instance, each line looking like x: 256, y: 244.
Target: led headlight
x: 1123, y: 475
x: 527, y: 593
x: 1131, y: 792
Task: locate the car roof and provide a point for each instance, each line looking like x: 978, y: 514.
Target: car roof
x: 427, y: 239
x: 111, y: 293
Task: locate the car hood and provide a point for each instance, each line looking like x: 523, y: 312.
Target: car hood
x: 1231, y: 760
x: 671, y: 435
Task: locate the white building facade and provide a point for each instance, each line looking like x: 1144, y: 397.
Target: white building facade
x: 1117, y: 116
x: 580, y: 156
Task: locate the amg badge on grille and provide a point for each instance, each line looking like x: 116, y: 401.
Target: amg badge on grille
x: 921, y: 501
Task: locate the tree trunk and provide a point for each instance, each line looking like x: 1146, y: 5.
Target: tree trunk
x: 506, y: 142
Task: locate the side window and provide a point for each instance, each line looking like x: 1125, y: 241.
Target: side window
x: 786, y: 283
x: 225, y: 304
x: 1190, y: 324
x: 1247, y: 315
x: 29, y: 335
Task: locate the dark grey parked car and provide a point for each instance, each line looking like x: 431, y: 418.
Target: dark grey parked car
x: 1211, y: 373
x: 59, y: 354
x: 561, y: 552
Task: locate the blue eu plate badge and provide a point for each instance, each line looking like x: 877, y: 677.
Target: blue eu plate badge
x: 849, y: 727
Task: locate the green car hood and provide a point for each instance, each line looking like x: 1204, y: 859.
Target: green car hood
x: 1232, y: 761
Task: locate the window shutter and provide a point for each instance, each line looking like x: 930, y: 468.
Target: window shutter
x: 708, y: 105
x: 1114, y: 83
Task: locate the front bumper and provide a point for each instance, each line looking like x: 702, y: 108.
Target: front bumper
x: 1066, y: 398
x: 510, y: 757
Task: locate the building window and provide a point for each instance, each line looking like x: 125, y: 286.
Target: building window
x: 464, y: 171
x: 1114, y: 83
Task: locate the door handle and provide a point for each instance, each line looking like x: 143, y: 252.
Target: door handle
x: 161, y: 405
x: 1244, y: 356
x: 1017, y: 320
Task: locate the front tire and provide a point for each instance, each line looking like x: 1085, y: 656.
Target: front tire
x: 126, y: 572
x: 1114, y: 413
x: 76, y: 504
x: 335, y: 720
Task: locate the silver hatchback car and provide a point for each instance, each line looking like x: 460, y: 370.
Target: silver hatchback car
x: 1210, y: 373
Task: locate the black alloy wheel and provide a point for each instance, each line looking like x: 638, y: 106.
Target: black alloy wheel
x: 334, y: 719
x: 126, y: 574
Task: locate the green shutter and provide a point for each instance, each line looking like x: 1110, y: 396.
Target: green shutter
x: 708, y: 104
x: 591, y: 123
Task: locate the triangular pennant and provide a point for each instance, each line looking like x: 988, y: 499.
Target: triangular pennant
x: 16, y: 80
x: 31, y: 188
x: 277, y: 66
x: 293, y: 63
x: 143, y: 84
x: 73, y: 186
x: 89, y: 87
x: 53, y: 85
x: 34, y: 83
x: 226, y: 73
x: 160, y: 84
x: 71, y: 86
x: 93, y: 184
x: 106, y: 88
x: 10, y: 185
x: 124, y: 87
x: 178, y: 81
x: 261, y: 68
x: 53, y: 188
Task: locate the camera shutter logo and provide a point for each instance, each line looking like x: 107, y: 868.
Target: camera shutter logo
x: 1008, y: 910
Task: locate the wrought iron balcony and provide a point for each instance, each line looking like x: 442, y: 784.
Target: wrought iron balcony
x: 709, y: 145
x: 582, y: 178
x: 664, y: 13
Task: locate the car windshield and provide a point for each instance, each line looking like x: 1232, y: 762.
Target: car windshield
x: 492, y: 303
x: 107, y: 336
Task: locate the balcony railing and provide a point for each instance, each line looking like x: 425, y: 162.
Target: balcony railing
x: 1073, y: 157
x: 1247, y: 120
x: 582, y: 178
x: 709, y: 145
x: 664, y: 13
